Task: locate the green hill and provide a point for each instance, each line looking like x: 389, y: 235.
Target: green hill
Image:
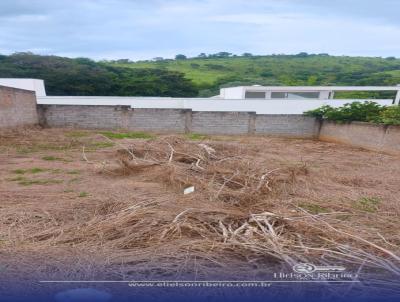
x: 200, y: 76
x: 212, y: 72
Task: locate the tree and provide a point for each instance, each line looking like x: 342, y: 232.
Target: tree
x: 222, y: 54
x: 302, y: 55
x: 312, y: 80
x: 124, y: 61
x: 180, y: 57
x: 247, y: 54
x: 81, y: 76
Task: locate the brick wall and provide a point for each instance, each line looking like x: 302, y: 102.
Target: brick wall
x: 17, y: 108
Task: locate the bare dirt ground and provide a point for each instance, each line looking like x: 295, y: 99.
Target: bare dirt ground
x: 117, y: 210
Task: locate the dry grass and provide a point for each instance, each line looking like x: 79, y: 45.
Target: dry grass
x: 260, y: 204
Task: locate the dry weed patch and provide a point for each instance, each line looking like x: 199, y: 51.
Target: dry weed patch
x: 253, y: 209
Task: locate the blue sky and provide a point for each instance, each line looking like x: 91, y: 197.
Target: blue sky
x: 143, y: 29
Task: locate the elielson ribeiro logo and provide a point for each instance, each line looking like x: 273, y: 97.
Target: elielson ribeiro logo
x: 307, y: 268
x: 308, y: 271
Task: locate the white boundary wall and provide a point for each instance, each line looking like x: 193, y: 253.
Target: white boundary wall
x: 276, y: 106
x: 27, y: 84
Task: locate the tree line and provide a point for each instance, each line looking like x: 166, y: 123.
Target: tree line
x: 82, y: 76
x: 203, y: 75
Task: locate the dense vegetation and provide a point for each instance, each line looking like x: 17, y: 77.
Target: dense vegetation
x: 209, y: 72
x: 357, y: 111
x: 64, y: 76
x: 202, y: 75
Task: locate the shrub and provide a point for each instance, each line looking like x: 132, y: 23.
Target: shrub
x: 357, y: 111
x: 319, y: 113
x: 216, y: 67
x: 390, y: 116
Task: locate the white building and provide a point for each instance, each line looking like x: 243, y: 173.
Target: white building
x: 27, y: 84
x: 296, y: 92
x: 259, y: 99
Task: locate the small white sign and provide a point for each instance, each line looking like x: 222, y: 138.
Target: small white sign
x: 188, y: 190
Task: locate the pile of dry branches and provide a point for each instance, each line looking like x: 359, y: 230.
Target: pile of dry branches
x: 218, y: 172
x: 240, y: 209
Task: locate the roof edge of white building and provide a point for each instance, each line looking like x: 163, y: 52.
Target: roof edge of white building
x: 36, y: 85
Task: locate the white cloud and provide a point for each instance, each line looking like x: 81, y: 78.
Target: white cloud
x: 257, y: 19
x: 26, y: 18
x: 145, y: 29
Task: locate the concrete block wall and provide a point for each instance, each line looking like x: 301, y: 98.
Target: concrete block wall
x: 17, y: 108
x: 221, y: 122
x: 291, y: 125
x: 176, y: 120
x: 369, y: 136
x: 86, y: 117
x: 391, y: 141
x: 159, y: 120
x: 113, y: 117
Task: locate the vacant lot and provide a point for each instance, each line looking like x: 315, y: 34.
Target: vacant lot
x: 86, y: 204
